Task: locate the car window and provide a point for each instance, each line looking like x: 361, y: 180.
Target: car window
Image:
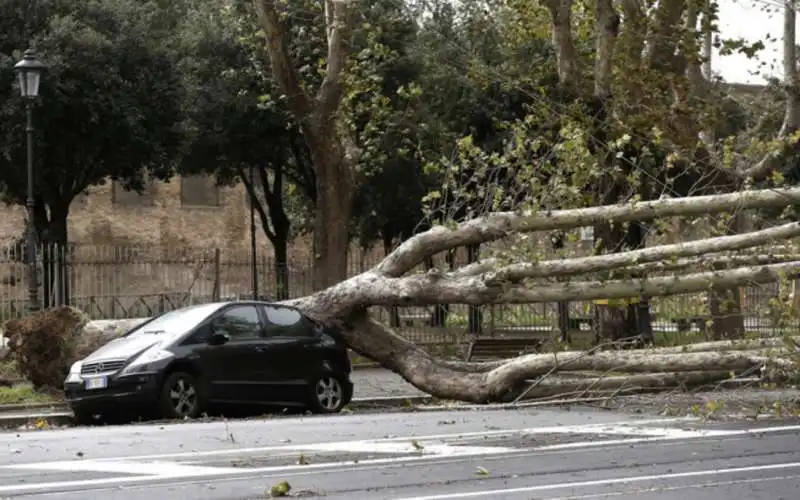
x: 238, y: 322
x: 286, y: 322
x: 174, y: 323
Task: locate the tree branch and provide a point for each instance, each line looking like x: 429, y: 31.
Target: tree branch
x: 501, y: 224
x: 339, y: 20
x: 773, y: 161
x: 713, y: 262
x: 661, y: 41
x: 561, y: 23
x: 427, y: 289
x: 252, y: 194
x: 568, y: 267
x: 280, y: 60
x: 607, y: 28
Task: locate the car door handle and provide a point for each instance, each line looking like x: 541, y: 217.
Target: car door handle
x: 260, y: 349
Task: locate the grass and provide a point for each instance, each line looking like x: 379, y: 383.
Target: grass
x: 22, y: 393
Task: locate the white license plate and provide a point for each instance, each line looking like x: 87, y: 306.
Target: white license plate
x: 96, y: 383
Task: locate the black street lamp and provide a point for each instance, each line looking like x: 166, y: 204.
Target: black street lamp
x: 253, y: 254
x: 29, y: 70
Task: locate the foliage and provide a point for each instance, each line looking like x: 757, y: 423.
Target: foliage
x: 110, y: 100
x: 233, y: 125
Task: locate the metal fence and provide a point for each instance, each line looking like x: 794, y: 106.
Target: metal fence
x: 137, y: 281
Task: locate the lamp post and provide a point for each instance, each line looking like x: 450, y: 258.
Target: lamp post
x: 253, y: 254
x: 29, y: 71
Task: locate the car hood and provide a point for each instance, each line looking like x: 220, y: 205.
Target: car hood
x: 126, y: 347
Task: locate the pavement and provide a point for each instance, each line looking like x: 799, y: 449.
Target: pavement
x: 433, y: 455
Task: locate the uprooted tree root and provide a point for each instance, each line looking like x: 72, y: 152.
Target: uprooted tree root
x: 44, y: 345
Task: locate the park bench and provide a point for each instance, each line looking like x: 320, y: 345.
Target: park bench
x: 491, y: 348
x: 576, y: 322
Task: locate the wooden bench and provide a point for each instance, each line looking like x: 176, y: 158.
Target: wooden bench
x: 684, y: 323
x: 491, y: 348
x: 576, y: 322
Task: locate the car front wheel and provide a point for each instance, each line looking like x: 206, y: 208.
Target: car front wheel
x: 180, y: 396
x: 327, y: 394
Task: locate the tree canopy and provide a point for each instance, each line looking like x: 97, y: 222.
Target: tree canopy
x: 110, y: 105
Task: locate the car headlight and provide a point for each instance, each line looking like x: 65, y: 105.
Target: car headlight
x: 146, y: 360
x: 75, y: 372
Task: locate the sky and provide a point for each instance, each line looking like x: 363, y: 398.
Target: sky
x: 751, y: 20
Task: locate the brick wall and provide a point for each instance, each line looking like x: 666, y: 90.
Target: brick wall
x: 164, y: 216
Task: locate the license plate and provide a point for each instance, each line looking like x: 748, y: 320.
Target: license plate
x: 96, y: 383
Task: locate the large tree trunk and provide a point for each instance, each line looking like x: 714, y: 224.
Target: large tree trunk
x: 453, y: 380
x: 316, y: 117
x: 334, y: 180
x: 51, y: 228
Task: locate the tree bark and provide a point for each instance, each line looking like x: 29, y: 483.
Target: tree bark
x: 51, y: 229
x: 449, y: 381
x: 619, y: 384
x: 334, y: 187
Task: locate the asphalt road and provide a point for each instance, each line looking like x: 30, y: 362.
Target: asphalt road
x: 430, y: 455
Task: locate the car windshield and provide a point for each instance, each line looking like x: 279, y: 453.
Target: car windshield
x: 176, y: 322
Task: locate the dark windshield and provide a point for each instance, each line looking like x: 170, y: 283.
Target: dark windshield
x: 176, y: 322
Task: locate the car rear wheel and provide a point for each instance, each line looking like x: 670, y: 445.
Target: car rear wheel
x: 181, y: 396
x: 328, y: 394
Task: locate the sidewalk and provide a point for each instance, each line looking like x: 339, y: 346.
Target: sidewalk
x: 381, y: 383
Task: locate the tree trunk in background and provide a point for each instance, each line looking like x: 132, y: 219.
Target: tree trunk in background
x: 334, y: 182
x: 280, y: 246
x: 630, y: 318
x: 440, y: 312
x: 725, y: 305
x: 52, y: 239
x: 474, y: 314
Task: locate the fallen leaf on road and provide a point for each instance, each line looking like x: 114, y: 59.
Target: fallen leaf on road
x: 481, y: 471
x: 280, y: 490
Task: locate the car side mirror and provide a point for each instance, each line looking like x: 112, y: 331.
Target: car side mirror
x: 219, y: 338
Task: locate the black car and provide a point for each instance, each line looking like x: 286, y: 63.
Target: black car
x: 182, y: 362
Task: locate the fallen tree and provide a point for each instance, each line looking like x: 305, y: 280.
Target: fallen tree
x: 346, y: 305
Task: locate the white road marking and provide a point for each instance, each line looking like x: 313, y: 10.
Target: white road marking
x: 358, y: 445
x: 604, y: 482
x: 159, y: 467
x: 661, y: 489
x: 155, y: 474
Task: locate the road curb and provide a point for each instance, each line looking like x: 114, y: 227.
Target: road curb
x: 54, y: 418
x: 366, y: 366
x: 59, y: 414
x: 389, y: 402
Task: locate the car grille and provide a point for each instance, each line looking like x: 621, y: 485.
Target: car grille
x: 102, y: 367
